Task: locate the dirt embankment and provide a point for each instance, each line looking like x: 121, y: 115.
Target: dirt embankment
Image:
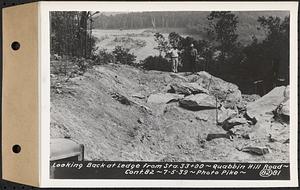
x: 110, y: 111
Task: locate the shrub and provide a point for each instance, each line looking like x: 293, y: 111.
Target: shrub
x: 163, y: 45
x: 122, y: 56
x: 119, y: 55
x: 103, y: 57
x: 156, y: 63
x: 175, y: 39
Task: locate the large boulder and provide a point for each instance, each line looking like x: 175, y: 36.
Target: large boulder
x: 231, y: 122
x: 187, y: 88
x: 226, y: 92
x: 282, y: 111
x: 286, y: 92
x: 198, y: 102
x: 211, y: 114
x: 178, y: 76
x: 163, y: 98
x: 284, y: 108
x: 264, y: 106
x: 224, y: 114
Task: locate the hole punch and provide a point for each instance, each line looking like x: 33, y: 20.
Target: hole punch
x: 16, y: 148
x: 15, y: 46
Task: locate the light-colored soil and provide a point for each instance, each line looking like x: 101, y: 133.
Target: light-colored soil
x: 86, y: 111
x: 107, y: 40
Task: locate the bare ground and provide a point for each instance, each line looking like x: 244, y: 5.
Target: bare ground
x: 88, y: 110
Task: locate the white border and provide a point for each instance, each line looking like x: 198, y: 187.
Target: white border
x: 45, y: 7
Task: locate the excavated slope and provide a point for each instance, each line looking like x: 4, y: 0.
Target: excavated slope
x: 107, y: 110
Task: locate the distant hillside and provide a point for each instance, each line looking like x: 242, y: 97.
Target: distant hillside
x: 138, y: 20
x: 193, y: 22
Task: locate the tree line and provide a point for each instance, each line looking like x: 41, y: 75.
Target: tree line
x: 136, y: 20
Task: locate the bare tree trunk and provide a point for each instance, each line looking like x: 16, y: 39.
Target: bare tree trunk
x: 153, y: 22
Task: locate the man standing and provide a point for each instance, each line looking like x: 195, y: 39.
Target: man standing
x: 194, y: 54
x: 174, y: 57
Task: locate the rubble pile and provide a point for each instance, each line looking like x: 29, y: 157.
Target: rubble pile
x: 123, y: 113
x: 239, y: 116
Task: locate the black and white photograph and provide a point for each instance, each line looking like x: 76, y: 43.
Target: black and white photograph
x: 170, y: 87
x: 150, y: 94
